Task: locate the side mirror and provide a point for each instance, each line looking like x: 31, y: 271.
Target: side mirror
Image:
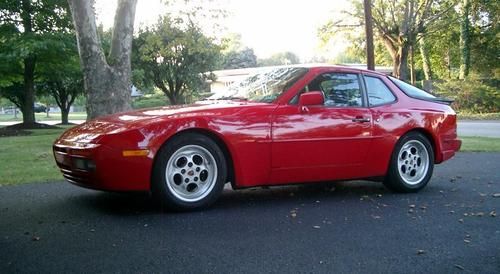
x: 311, y: 98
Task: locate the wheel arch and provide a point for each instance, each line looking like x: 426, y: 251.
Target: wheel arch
x: 214, y: 137
x: 427, y: 134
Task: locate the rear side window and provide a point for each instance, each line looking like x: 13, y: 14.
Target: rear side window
x: 378, y: 92
x: 411, y: 90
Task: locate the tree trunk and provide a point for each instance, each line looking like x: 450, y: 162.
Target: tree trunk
x: 426, y: 62
x: 107, y: 85
x: 399, y: 55
x: 370, y: 56
x: 29, y: 92
x: 412, y: 66
x: 465, y: 40
x: 64, y: 116
x: 400, y: 63
x: 28, y: 102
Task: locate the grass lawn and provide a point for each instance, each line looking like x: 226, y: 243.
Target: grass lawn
x: 482, y: 144
x: 28, y: 159
x: 478, y: 116
x: 43, y: 117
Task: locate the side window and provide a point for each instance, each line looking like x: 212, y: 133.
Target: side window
x: 378, y: 92
x: 339, y: 89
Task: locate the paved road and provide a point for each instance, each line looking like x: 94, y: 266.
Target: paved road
x: 479, y: 128
x: 355, y: 228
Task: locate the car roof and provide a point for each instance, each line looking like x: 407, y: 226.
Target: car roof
x: 321, y: 66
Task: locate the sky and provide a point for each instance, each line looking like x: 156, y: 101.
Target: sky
x: 267, y: 26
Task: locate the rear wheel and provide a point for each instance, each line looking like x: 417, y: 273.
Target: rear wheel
x: 412, y: 164
x: 189, y: 172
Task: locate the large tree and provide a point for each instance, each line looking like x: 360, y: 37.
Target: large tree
x: 62, y: 78
x: 398, y: 24
x: 177, y: 56
x: 107, y: 81
x: 28, y: 29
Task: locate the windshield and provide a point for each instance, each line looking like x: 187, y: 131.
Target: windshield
x: 265, y: 86
x: 411, y: 90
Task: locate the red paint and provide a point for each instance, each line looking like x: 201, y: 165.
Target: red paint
x: 269, y: 143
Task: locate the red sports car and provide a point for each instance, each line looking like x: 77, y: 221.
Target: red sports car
x: 284, y: 125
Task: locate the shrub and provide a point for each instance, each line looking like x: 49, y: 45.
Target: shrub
x: 149, y: 101
x: 472, y: 95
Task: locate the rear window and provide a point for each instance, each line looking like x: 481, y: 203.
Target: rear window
x: 411, y: 90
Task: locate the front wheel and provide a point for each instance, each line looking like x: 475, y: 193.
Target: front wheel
x: 189, y: 172
x: 412, y: 164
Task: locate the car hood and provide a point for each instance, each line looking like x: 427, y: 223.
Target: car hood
x: 112, y: 124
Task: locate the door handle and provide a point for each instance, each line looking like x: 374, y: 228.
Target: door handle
x: 361, y: 120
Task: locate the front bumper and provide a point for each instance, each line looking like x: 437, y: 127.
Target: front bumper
x: 102, y: 167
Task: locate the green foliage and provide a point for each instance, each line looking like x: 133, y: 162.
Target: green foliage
x: 176, y: 56
x: 30, y: 33
x: 235, y: 55
x: 478, y: 116
x: 277, y: 59
x: 471, y: 95
x: 149, y: 101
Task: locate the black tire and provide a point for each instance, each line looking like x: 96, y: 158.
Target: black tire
x: 187, y: 149
x: 410, y: 169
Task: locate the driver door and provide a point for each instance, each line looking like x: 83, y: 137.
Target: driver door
x: 323, y: 142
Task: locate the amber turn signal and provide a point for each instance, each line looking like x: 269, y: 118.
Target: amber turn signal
x: 137, y: 152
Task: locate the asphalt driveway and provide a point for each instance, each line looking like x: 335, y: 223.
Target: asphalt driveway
x: 452, y: 226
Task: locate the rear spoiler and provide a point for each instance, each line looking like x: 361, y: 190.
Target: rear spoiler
x: 442, y: 100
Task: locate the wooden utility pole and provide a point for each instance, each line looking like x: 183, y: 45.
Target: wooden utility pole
x: 370, y: 56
